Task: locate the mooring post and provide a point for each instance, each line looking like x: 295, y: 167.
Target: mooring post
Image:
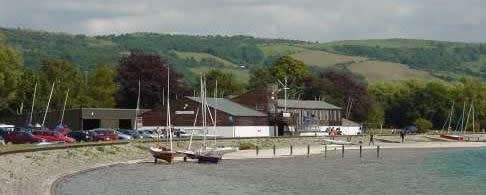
x: 308, y: 151
x: 325, y: 151
x: 257, y: 150
x: 360, y: 151
x: 342, y: 153
x: 378, y: 152
x: 291, y: 150
x: 185, y: 158
x: 274, y: 149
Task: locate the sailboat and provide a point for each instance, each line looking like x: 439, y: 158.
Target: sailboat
x: 61, y: 127
x: 161, y: 152
x: 204, y: 154
x: 452, y: 136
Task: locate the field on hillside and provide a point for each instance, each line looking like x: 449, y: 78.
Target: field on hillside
x: 390, y: 43
x: 324, y: 59
x: 387, y: 71
x: 280, y: 49
x: 200, y: 56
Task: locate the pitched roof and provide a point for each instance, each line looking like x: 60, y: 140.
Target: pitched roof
x: 306, y: 104
x: 229, y: 107
x: 349, y: 123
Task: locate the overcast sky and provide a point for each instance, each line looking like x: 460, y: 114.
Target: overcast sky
x: 312, y: 20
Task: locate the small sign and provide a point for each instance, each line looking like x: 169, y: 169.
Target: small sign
x: 286, y: 114
x: 139, y: 122
x: 184, y: 112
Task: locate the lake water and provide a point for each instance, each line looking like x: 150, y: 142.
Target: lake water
x: 400, y: 171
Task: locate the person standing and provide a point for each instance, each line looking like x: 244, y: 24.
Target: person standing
x: 402, y: 135
x: 371, y: 139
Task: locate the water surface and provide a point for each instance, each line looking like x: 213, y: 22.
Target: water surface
x: 400, y: 171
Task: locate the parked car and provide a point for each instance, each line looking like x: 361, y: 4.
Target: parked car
x: 22, y: 137
x: 122, y: 136
x: 4, y: 129
x: 103, y: 135
x: 150, y: 134
x: 80, y: 135
x: 134, y: 133
x: 53, y: 136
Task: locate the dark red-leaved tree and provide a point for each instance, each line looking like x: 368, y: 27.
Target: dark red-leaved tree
x: 343, y: 86
x: 151, y: 70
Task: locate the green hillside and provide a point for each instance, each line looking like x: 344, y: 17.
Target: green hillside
x: 448, y: 60
x: 376, y: 59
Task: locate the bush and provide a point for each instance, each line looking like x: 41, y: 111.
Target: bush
x: 247, y: 146
x: 423, y: 125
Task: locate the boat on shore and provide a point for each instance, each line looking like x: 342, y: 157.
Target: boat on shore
x: 162, y: 153
x: 452, y: 137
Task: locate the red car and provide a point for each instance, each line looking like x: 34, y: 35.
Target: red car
x: 22, y: 137
x: 103, y: 135
x: 53, y: 136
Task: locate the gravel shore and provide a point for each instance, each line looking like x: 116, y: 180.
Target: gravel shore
x: 35, y: 172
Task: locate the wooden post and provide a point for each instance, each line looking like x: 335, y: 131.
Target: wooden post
x: 257, y: 150
x: 378, y: 152
x: 308, y: 151
x: 291, y: 150
x: 325, y: 152
x: 342, y: 153
x: 185, y: 158
x: 360, y: 151
x: 274, y: 150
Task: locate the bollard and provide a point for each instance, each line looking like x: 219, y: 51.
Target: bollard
x: 360, y: 151
x: 308, y: 151
x: 257, y: 150
x: 378, y: 152
x: 185, y: 158
x: 291, y: 150
x: 325, y: 152
x: 274, y: 150
x: 342, y: 153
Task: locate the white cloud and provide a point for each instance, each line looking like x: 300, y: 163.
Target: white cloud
x: 322, y: 20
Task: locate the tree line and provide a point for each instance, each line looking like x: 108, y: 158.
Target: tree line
x: 391, y: 104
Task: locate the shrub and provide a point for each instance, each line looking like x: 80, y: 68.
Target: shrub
x: 423, y: 125
x: 247, y: 146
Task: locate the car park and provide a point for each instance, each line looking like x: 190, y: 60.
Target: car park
x: 122, y: 136
x: 103, y: 135
x: 80, y: 135
x: 134, y: 133
x: 22, y: 137
x: 53, y: 136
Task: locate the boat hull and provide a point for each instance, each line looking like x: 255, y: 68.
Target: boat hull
x: 452, y: 137
x: 161, y: 154
x: 209, y: 158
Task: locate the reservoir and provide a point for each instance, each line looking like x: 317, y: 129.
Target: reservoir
x: 398, y: 171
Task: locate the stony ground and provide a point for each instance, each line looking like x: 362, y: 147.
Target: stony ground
x: 34, y: 172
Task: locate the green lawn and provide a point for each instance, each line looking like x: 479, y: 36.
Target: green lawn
x: 200, y: 56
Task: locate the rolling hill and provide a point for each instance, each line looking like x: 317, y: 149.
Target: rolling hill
x: 377, y: 59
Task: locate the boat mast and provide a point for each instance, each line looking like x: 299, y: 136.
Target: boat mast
x: 450, y: 117
x: 472, y: 105
x: 47, y: 107
x: 64, y: 107
x: 203, y: 109
x: 138, y: 106
x: 168, y: 108
x: 216, y: 105
x: 33, y: 102
x: 462, y: 119
x: 194, y: 128
x: 468, y: 114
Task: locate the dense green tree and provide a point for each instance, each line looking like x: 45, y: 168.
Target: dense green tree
x: 376, y: 114
x: 65, y: 76
x: 102, y: 87
x: 10, y: 73
x: 227, y: 85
